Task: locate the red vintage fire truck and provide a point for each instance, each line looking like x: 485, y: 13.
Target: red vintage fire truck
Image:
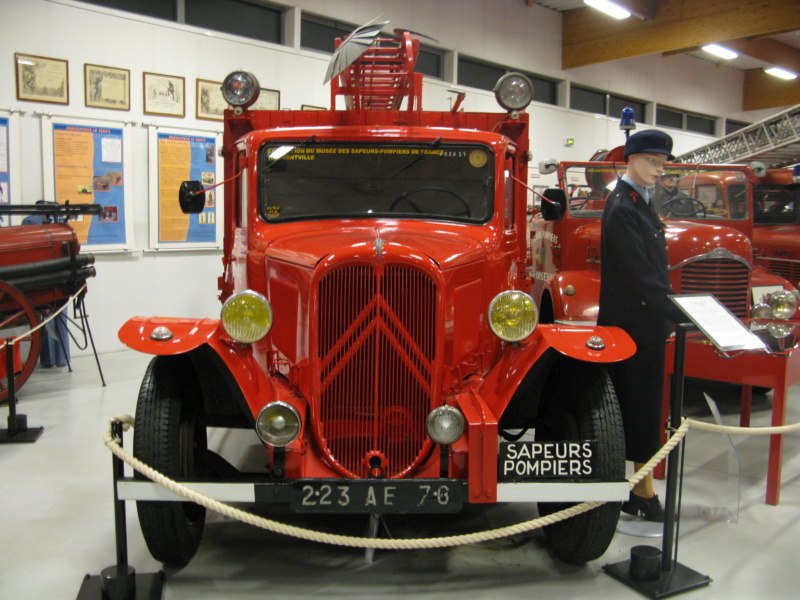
x: 776, y: 214
x: 377, y: 332
x: 709, y: 226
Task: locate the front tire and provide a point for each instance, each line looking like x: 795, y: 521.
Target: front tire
x: 582, y: 405
x: 170, y: 436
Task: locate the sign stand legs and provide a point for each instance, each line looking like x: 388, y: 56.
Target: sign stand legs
x: 652, y: 572
x: 18, y: 431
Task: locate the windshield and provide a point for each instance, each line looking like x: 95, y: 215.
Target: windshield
x: 776, y: 203
x: 314, y: 180
x: 683, y: 193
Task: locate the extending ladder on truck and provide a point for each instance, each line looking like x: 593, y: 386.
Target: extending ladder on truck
x: 775, y: 141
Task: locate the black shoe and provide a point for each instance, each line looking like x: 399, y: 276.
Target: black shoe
x: 649, y: 508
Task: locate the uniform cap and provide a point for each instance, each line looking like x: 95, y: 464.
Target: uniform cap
x: 651, y: 141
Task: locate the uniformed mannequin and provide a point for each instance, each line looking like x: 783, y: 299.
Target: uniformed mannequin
x: 634, y: 289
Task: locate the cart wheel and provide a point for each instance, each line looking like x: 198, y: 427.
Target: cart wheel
x: 582, y: 405
x: 17, y: 317
x: 170, y: 436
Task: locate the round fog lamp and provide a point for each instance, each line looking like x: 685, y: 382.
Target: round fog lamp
x: 247, y: 316
x: 513, y: 315
x: 240, y: 88
x: 445, y: 425
x: 783, y: 304
x: 278, y: 424
x: 513, y: 91
x: 761, y: 312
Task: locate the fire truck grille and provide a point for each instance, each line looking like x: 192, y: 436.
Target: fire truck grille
x: 783, y: 268
x: 726, y: 279
x: 376, y: 349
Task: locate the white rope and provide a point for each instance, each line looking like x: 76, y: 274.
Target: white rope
x: 53, y: 315
x: 113, y: 444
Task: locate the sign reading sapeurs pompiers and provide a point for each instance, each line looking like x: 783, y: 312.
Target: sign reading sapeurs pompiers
x: 377, y: 334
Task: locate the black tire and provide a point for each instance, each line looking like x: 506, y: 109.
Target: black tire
x: 170, y: 436
x: 582, y: 405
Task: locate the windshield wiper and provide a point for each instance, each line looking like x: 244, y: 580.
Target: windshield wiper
x: 434, y: 144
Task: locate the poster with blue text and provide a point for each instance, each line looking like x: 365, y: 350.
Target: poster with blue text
x: 5, y: 175
x: 185, y: 157
x: 88, y: 169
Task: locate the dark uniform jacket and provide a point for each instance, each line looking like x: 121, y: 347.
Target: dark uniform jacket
x: 634, y: 281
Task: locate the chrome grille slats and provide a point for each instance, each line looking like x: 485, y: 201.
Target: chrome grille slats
x: 377, y: 355
x: 726, y: 279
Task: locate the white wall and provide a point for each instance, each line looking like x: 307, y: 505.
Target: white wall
x: 139, y: 282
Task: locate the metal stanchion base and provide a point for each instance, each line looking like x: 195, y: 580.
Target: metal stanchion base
x: 147, y: 586
x: 669, y: 583
x: 22, y: 434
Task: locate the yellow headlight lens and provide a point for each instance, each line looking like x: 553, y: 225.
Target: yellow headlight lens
x: 247, y: 316
x: 783, y: 304
x: 513, y: 315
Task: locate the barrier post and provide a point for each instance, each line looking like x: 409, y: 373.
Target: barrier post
x: 654, y: 573
x: 120, y: 581
x: 18, y: 431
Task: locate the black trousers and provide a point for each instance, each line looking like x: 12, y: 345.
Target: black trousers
x: 639, y: 383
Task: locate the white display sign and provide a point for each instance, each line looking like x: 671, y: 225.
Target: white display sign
x: 718, y: 323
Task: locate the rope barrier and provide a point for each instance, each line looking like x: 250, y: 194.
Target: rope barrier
x: 113, y: 444
x: 53, y: 315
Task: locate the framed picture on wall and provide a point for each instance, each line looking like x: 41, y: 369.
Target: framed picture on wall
x: 267, y: 100
x: 164, y: 95
x: 107, y: 87
x: 42, y: 79
x: 210, y: 102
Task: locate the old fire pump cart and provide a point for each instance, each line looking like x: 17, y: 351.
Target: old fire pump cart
x: 377, y: 332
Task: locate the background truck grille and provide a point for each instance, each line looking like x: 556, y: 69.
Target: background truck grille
x: 376, y: 349
x: 726, y: 279
x: 788, y: 269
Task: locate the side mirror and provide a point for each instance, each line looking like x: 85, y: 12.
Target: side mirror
x: 554, y: 205
x: 192, y: 197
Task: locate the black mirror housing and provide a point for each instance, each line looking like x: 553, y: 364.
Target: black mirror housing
x: 192, y: 197
x: 554, y: 204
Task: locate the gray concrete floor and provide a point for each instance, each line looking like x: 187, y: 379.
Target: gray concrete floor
x: 56, y: 519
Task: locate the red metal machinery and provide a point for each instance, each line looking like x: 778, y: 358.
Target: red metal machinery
x: 40, y: 268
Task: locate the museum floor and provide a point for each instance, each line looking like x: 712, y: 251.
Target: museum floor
x: 56, y: 520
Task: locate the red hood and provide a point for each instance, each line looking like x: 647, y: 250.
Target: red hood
x: 443, y: 244
x: 687, y: 240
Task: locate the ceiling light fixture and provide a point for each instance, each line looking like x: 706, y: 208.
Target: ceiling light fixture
x: 782, y: 73
x: 611, y: 9
x: 720, y: 51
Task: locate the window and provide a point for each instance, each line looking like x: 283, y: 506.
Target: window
x: 478, y: 74
x: 320, y: 34
x: 544, y: 90
x: 238, y: 17
x: 669, y: 118
x: 734, y: 126
x: 587, y: 100
x: 429, y: 62
x: 617, y: 103
x: 681, y: 119
x: 700, y: 124
x: 161, y: 9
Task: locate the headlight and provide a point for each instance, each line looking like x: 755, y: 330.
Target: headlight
x: 278, y: 424
x: 247, y: 316
x: 513, y: 315
x: 240, y: 89
x: 513, y: 91
x: 445, y: 425
x: 783, y: 304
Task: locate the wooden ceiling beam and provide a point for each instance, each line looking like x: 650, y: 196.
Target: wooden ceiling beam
x: 590, y: 37
x: 762, y: 91
x: 768, y: 50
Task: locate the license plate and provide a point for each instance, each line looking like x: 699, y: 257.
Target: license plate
x: 376, y: 496
x: 526, y: 461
